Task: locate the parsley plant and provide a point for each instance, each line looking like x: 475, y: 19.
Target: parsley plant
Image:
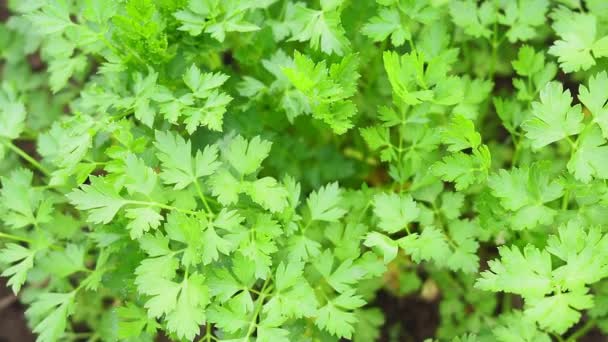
x: 239, y: 170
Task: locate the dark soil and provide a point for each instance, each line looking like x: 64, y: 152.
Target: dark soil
x: 4, y: 12
x: 410, y: 318
x: 12, y: 323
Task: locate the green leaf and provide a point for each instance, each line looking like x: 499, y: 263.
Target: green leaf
x: 12, y: 114
x: 206, y: 87
x: 201, y: 84
x: 463, y: 234
x: 23, y: 260
x: 464, y: 169
x: 99, y: 11
x: 431, y: 244
x: 590, y: 158
x: 139, y: 177
x: 405, y: 74
x: 133, y: 322
x: 376, y: 136
x: 475, y: 20
x: 514, y: 327
x: 327, y: 92
x: 52, y: 18
x: 143, y: 219
x: 294, y: 298
x: 578, y: 33
x: 553, y: 117
x: 155, y: 245
x: 225, y: 187
x: 460, y: 134
x: 334, y: 318
x: 387, y: 247
x: 324, y: 204
x: 144, y: 88
x: 387, y: 23
x: 217, y: 18
x: 189, y: 313
x: 583, y: 252
x: 527, y: 273
x: 62, y: 69
x: 558, y: 313
x: 528, y: 62
x: 100, y: 199
x: 526, y: 191
x: 268, y: 193
x: 179, y: 167
x: 523, y: 17
x: 345, y: 275
x: 369, y: 324
x: 395, y: 211
x: 23, y: 204
x: 51, y: 311
x: 66, y: 262
x: 451, y: 204
x: 246, y: 156
x: 596, y: 99
x: 322, y: 28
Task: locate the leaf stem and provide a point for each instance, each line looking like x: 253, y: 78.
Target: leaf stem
x: 557, y: 337
x: 566, y: 200
x: 27, y: 157
x: 15, y: 237
x: 582, y: 331
x: 208, y: 333
x: 495, y: 44
x: 203, y: 198
x: 163, y: 206
x: 258, y: 308
x: 507, y: 302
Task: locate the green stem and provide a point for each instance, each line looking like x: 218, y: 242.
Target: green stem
x: 203, y: 198
x: 15, y: 237
x: 495, y: 44
x: 208, y: 334
x: 573, y: 144
x: 401, y: 149
x: 364, y: 211
x: 516, y: 152
x: 566, y: 200
x: 582, y: 331
x: 557, y: 337
x: 160, y: 205
x: 79, y: 335
x: 307, y: 225
x: 254, y: 291
x: 258, y: 308
x: 26, y: 157
x: 507, y: 302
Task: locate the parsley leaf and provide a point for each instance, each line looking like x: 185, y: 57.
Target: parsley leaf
x: 553, y: 118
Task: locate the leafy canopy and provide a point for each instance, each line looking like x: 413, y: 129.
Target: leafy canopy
x: 284, y: 170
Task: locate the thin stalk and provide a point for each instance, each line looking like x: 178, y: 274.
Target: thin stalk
x: 15, y: 238
x: 258, y: 308
x: 516, y: 152
x: 557, y: 337
x: 203, y: 198
x: 582, y: 331
x: 21, y: 153
x: 566, y: 200
x: 507, y: 302
x: 163, y: 206
x: 495, y: 44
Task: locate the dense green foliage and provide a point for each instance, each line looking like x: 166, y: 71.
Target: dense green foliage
x: 236, y: 170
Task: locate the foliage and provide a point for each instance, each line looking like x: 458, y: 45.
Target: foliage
x: 233, y: 170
